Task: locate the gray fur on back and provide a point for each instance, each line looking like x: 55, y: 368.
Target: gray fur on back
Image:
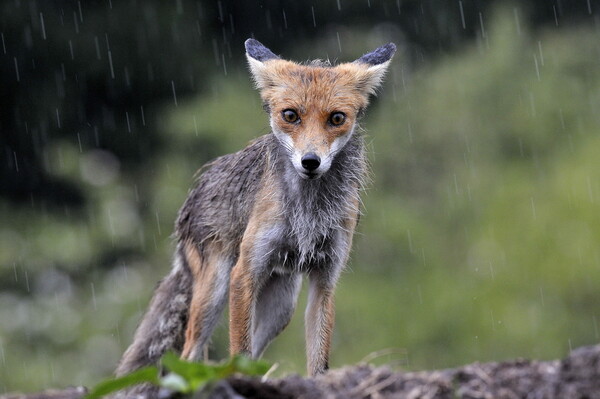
x: 219, y: 207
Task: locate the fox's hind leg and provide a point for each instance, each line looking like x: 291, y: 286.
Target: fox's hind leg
x: 210, y: 270
x: 275, y: 306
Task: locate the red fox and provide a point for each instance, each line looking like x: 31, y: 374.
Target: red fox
x: 258, y: 219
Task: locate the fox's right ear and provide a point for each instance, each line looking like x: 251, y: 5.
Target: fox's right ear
x: 257, y: 55
x: 374, y: 66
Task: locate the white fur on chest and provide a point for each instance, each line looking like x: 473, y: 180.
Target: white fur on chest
x: 284, y: 248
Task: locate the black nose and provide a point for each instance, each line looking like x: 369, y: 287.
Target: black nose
x: 311, y: 161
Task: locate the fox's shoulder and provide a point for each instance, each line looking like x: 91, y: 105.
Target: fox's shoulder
x: 229, y: 168
x: 255, y: 150
x: 225, y: 187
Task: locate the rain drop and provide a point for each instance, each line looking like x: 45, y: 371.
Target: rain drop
x: 17, y: 69
x: 71, y: 50
x: 481, y: 25
x: 143, y: 117
x: 158, y: 223
x: 2, y: 354
x: 94, y: 296
x: 537, y: 69
x: 110, y: 61
x: 174, y: 93
x: 517, y: 22
x: 43, y: 26
x: 128, y: 123
x: 98, y: 55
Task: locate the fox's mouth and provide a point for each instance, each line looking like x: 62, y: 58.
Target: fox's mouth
x: 309, y: 175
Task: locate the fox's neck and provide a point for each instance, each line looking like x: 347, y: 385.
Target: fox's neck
x: 324, y: 202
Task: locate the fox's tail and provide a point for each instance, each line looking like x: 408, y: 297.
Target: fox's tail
x: 163, y: 325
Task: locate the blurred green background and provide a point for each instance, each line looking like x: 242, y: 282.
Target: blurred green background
x: 480, y: 239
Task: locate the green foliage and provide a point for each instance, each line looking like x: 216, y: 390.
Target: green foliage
x: 147, y: 374
x: 193, y: 376
x: 487, y: 201
x: 183, y: 376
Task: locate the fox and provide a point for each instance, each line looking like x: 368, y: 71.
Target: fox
x: 259, y: 220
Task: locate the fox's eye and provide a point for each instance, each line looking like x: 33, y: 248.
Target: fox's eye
x: 337, y: 118
x: 289, y: 115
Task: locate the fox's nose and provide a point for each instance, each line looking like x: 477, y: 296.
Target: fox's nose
x: 311, y: 161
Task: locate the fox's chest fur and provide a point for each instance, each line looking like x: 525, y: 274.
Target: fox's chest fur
x: 315, y: 212
x: 310, y: 214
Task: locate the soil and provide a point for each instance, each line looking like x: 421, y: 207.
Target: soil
x: 575, y: 377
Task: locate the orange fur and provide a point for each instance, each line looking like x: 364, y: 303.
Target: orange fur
x: 204, y: 273
x: 315, y: 93
x: 242, y: 289
x: 319, y: 322
x: 240, y: 307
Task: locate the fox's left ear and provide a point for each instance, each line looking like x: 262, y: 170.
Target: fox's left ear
x: 374, y: 66
x: 257, y: 55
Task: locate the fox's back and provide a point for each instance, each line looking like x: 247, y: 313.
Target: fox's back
x: 219, y: 206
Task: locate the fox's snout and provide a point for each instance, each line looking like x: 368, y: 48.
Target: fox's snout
x: 310, y: 165
x: 312, y: 158
x: 310, y: 162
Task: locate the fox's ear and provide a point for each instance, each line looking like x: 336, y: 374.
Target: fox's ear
x: 375, y: 66
x: 257, y: 54
x: 380, y: 56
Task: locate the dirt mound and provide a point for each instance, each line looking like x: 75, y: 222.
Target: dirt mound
x: 575, y: 377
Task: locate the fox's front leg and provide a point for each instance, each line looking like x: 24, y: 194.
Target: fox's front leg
x: 320, y: 310
x: 250, y: 271
x: 242, y: 291
x: 319, y: 321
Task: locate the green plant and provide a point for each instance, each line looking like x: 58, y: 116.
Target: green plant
x: 183, y: 376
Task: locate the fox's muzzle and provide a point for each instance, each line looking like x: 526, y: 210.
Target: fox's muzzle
x: 310, y: 161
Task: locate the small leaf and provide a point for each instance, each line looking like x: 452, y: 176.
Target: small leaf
x: 146, y: 374
x: 190, y: 371
x: 192, y: 375
x: 245, y: 365
x: 175, y: 382
x: 241, y: 364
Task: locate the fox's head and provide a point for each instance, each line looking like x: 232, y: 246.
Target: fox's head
x: 313, y: 108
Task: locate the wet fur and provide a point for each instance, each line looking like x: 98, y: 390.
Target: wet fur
x: 219, y: 208
x: 252, y: 226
